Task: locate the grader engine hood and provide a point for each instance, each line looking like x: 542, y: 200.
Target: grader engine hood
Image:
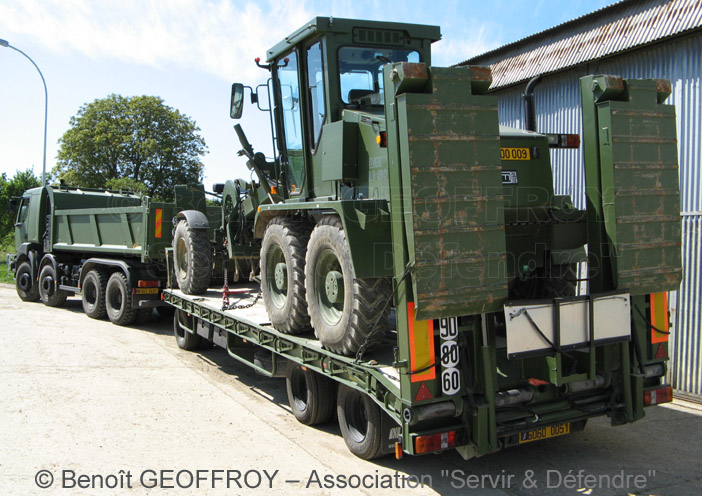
x: 448, y: 146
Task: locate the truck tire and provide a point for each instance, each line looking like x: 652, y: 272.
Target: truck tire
x: 27, y: 288
x: 360, y: 423
x: 49, y: 292
x: 283, y: 274
x: 118, y: 300
x: 93, y: 289
x: 342, y: 308
x: 310, y: 395
x: 192, y: 259
x: 185, y: 339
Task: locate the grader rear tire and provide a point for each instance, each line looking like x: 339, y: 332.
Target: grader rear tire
x: 192, y: 259
x: 342, y: 308
x: 283, y: 274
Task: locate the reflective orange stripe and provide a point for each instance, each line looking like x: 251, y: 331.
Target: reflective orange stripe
x: 421, y: 342
x: 659, y: 317
x: 159, y: 222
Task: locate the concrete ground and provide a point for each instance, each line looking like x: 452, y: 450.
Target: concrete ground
x: 85, y: 403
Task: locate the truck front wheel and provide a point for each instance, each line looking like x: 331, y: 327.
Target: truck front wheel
x: 27, y: 288
x: 310, y: 395
x: 49, y: 292
x: 192, y: 259
x: 93, y: 289
x: 344, y: 310
x: 118, y: 300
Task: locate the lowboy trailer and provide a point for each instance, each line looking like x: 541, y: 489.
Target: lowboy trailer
x: 417, y: 271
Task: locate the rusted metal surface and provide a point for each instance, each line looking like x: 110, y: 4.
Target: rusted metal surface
x: 618, y: 28
x: 451, y: 162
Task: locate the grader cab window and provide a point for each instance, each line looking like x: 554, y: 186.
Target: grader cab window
x: 315, y: 78
x: 361, y: 72
x: 292, y: 122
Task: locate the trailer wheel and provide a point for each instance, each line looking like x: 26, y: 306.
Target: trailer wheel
x: 27, y: 288
x: 311, y: 395
x: 360, y: 423
x: 185, y: 339
x: 93, y: 289
x: 192, y: 259
x: 49, y: 292
x: 283, y: 274
x: 343, y: 309
x: 118, y: 300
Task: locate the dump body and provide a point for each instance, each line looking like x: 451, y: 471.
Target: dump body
x: 99, y: 223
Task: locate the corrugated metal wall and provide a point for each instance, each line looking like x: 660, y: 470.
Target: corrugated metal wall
x: 558, y: 110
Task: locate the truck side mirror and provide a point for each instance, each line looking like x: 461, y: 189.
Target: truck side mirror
x: 237, y: 102
x: 13, y: 205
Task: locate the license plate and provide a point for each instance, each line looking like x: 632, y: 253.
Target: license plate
x: 145, y: 290
x: 544, y: 433
x: 515, y: 153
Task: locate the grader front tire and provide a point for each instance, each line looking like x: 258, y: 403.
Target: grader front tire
x: 192, y: 259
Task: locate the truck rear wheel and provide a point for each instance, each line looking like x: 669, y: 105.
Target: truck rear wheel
x: 360, y: 423
x: 93, y: 289
x: 118, y: 300
x: 192, y: 259
x: 342, y: 308
x: 311, y: 395
x: 283, y: 274
x: 27, y: 288
x: 185, y: 339
x: 49, y: 292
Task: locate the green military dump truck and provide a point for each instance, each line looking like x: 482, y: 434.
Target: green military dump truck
x: 107, y: 246
x: 417, y: 270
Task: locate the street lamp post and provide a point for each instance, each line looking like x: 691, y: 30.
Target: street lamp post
x: 5, y: 43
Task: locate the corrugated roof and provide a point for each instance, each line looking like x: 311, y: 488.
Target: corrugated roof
x: 614, y: 29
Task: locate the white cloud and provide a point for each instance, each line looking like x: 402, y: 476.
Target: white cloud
x: 459, y: 43
x: 219, y: 37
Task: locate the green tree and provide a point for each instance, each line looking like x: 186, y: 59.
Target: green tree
x: 21, y: 182
x: 138, y: 138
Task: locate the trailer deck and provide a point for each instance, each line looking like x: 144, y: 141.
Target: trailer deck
x: 245, y: 328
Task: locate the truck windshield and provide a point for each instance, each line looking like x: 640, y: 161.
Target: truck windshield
x: 361, y: 75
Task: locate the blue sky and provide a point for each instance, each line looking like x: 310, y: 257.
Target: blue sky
x: 189, y: 52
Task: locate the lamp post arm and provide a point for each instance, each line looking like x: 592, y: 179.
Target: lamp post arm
x: 46, y: 105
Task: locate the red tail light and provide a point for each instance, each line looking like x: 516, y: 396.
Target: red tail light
x: 663, y: 394
x: 563, y: 140
x: 435, y: 442
x: 148, y: 284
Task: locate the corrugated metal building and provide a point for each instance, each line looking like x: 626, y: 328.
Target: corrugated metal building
x: 633, y: 39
